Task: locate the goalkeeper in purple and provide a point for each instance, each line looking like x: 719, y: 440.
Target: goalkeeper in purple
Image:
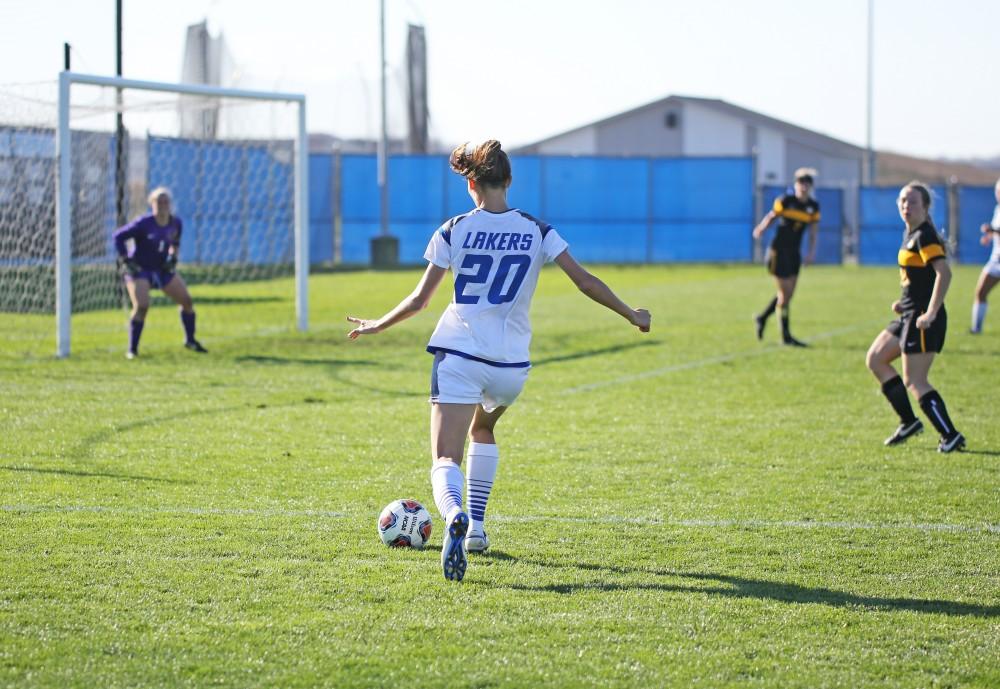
x: 480, y: 345
x: 147, y: 253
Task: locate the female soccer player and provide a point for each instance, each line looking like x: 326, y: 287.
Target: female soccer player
x: 784, y: 257
x: 919, y: 331
x: 152, y: 262
x: 480, y: 345
x: 991, y: 271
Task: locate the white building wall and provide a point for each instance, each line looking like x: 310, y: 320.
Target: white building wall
x: 770, y: 157
x: 711, y: 133
x: 582, y: 142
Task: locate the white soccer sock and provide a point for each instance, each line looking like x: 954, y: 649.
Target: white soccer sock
x: 447, y: 482
x: 482, y: 467
x: 978, y: 315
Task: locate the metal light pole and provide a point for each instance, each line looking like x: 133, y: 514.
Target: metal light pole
x: 870, y: 167
x: 120, y: 210
x: 384, y: 247
x: 383, y: 144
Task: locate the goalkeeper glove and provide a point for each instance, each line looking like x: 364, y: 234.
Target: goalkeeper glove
x: 170, y: 263
x: 127, y: 265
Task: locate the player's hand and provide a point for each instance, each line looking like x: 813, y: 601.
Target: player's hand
x: 127, y: 265
x: 641, y: 318
x: 986, y: 239
x: 925, y: 320
x: 365, y: 327
x: 896, y: 307
x: 757, y: 232
x: 170, y: 263
x: 985, y: 228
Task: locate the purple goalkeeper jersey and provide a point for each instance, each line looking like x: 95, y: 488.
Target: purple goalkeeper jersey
x: 151, y: 240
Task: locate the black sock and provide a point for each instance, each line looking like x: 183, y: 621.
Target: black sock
x: 134, y: 333
x: 784, y: 322
x: 895, y: 392
x: 766, y: 313
x: 934, y: 408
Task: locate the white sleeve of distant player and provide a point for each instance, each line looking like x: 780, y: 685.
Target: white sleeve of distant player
x: 995, y: 223
x: 553, y: 245
x: 438, y: 251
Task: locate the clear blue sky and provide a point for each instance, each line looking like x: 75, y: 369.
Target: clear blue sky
x: 520, y: 70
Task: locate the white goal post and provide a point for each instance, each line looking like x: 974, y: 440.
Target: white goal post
x: 65, y: 188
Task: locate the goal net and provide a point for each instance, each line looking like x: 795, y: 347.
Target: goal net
x: 79, y: 158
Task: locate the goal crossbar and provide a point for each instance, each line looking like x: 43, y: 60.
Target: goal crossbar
x: 64, y: 187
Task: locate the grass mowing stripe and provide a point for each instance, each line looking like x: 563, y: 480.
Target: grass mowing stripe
x: 527, y: 519
x: 709, y: 361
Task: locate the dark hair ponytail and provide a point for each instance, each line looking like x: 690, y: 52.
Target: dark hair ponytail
x: 485, y: 164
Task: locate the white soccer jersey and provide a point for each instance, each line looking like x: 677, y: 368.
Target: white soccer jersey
x: 995, y: 224
x: 496, y: 259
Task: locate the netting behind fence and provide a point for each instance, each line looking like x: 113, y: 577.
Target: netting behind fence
x: 228, y: 162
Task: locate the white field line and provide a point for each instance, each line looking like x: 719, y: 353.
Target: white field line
x: 709, y: 361
x: 789, y: 524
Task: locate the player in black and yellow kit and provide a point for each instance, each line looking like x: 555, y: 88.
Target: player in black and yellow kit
x: 918, y: 334
x: 784, y: 257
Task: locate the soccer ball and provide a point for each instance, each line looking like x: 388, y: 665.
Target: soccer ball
x: 404, y: 524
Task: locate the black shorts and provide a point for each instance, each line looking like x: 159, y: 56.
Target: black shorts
x: 913, y: 340
x: 783, y: 263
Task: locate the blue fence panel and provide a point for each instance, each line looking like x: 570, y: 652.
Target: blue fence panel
x: 355, y: 243
x: 359, y: 195
x: 881, y: 228
x: 320, y: 207
x: 416, y: 190
x: 621, y: 242
x: 701, y: 240
x: 526, y: 191
x: 829, y: 240
x: 602, y: 206
x: 595, y: 190
x: 702, y: 209
x: 975, y: 207
x: 359, y: 206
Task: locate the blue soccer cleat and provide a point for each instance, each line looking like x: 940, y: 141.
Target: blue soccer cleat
x: 453, y: 560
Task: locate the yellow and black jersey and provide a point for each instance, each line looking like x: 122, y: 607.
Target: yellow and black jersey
x: 795, y: 216
x: 920, y: 248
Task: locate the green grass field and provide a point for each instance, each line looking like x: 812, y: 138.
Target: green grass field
x: 687, y: 508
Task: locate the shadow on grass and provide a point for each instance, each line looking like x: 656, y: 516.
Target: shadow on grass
x: 95, y: 474
x: 333, y: 366
x: 593, y: 352
x: 288, y: 361
x: 742, y: 587
x: 87, y: 443
x: 238, y: 300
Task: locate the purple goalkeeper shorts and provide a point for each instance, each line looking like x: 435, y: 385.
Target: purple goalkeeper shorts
x: 156, y: 278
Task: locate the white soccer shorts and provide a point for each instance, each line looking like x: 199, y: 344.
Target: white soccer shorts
x: 456, y: 380
x: 992, y: 268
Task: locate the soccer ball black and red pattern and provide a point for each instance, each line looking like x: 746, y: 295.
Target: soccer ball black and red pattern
x: 405, y: 524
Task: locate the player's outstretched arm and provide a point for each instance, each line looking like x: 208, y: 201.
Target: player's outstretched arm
x: 593, y: 287
x: 416, y: 302
x: 764, y: 224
